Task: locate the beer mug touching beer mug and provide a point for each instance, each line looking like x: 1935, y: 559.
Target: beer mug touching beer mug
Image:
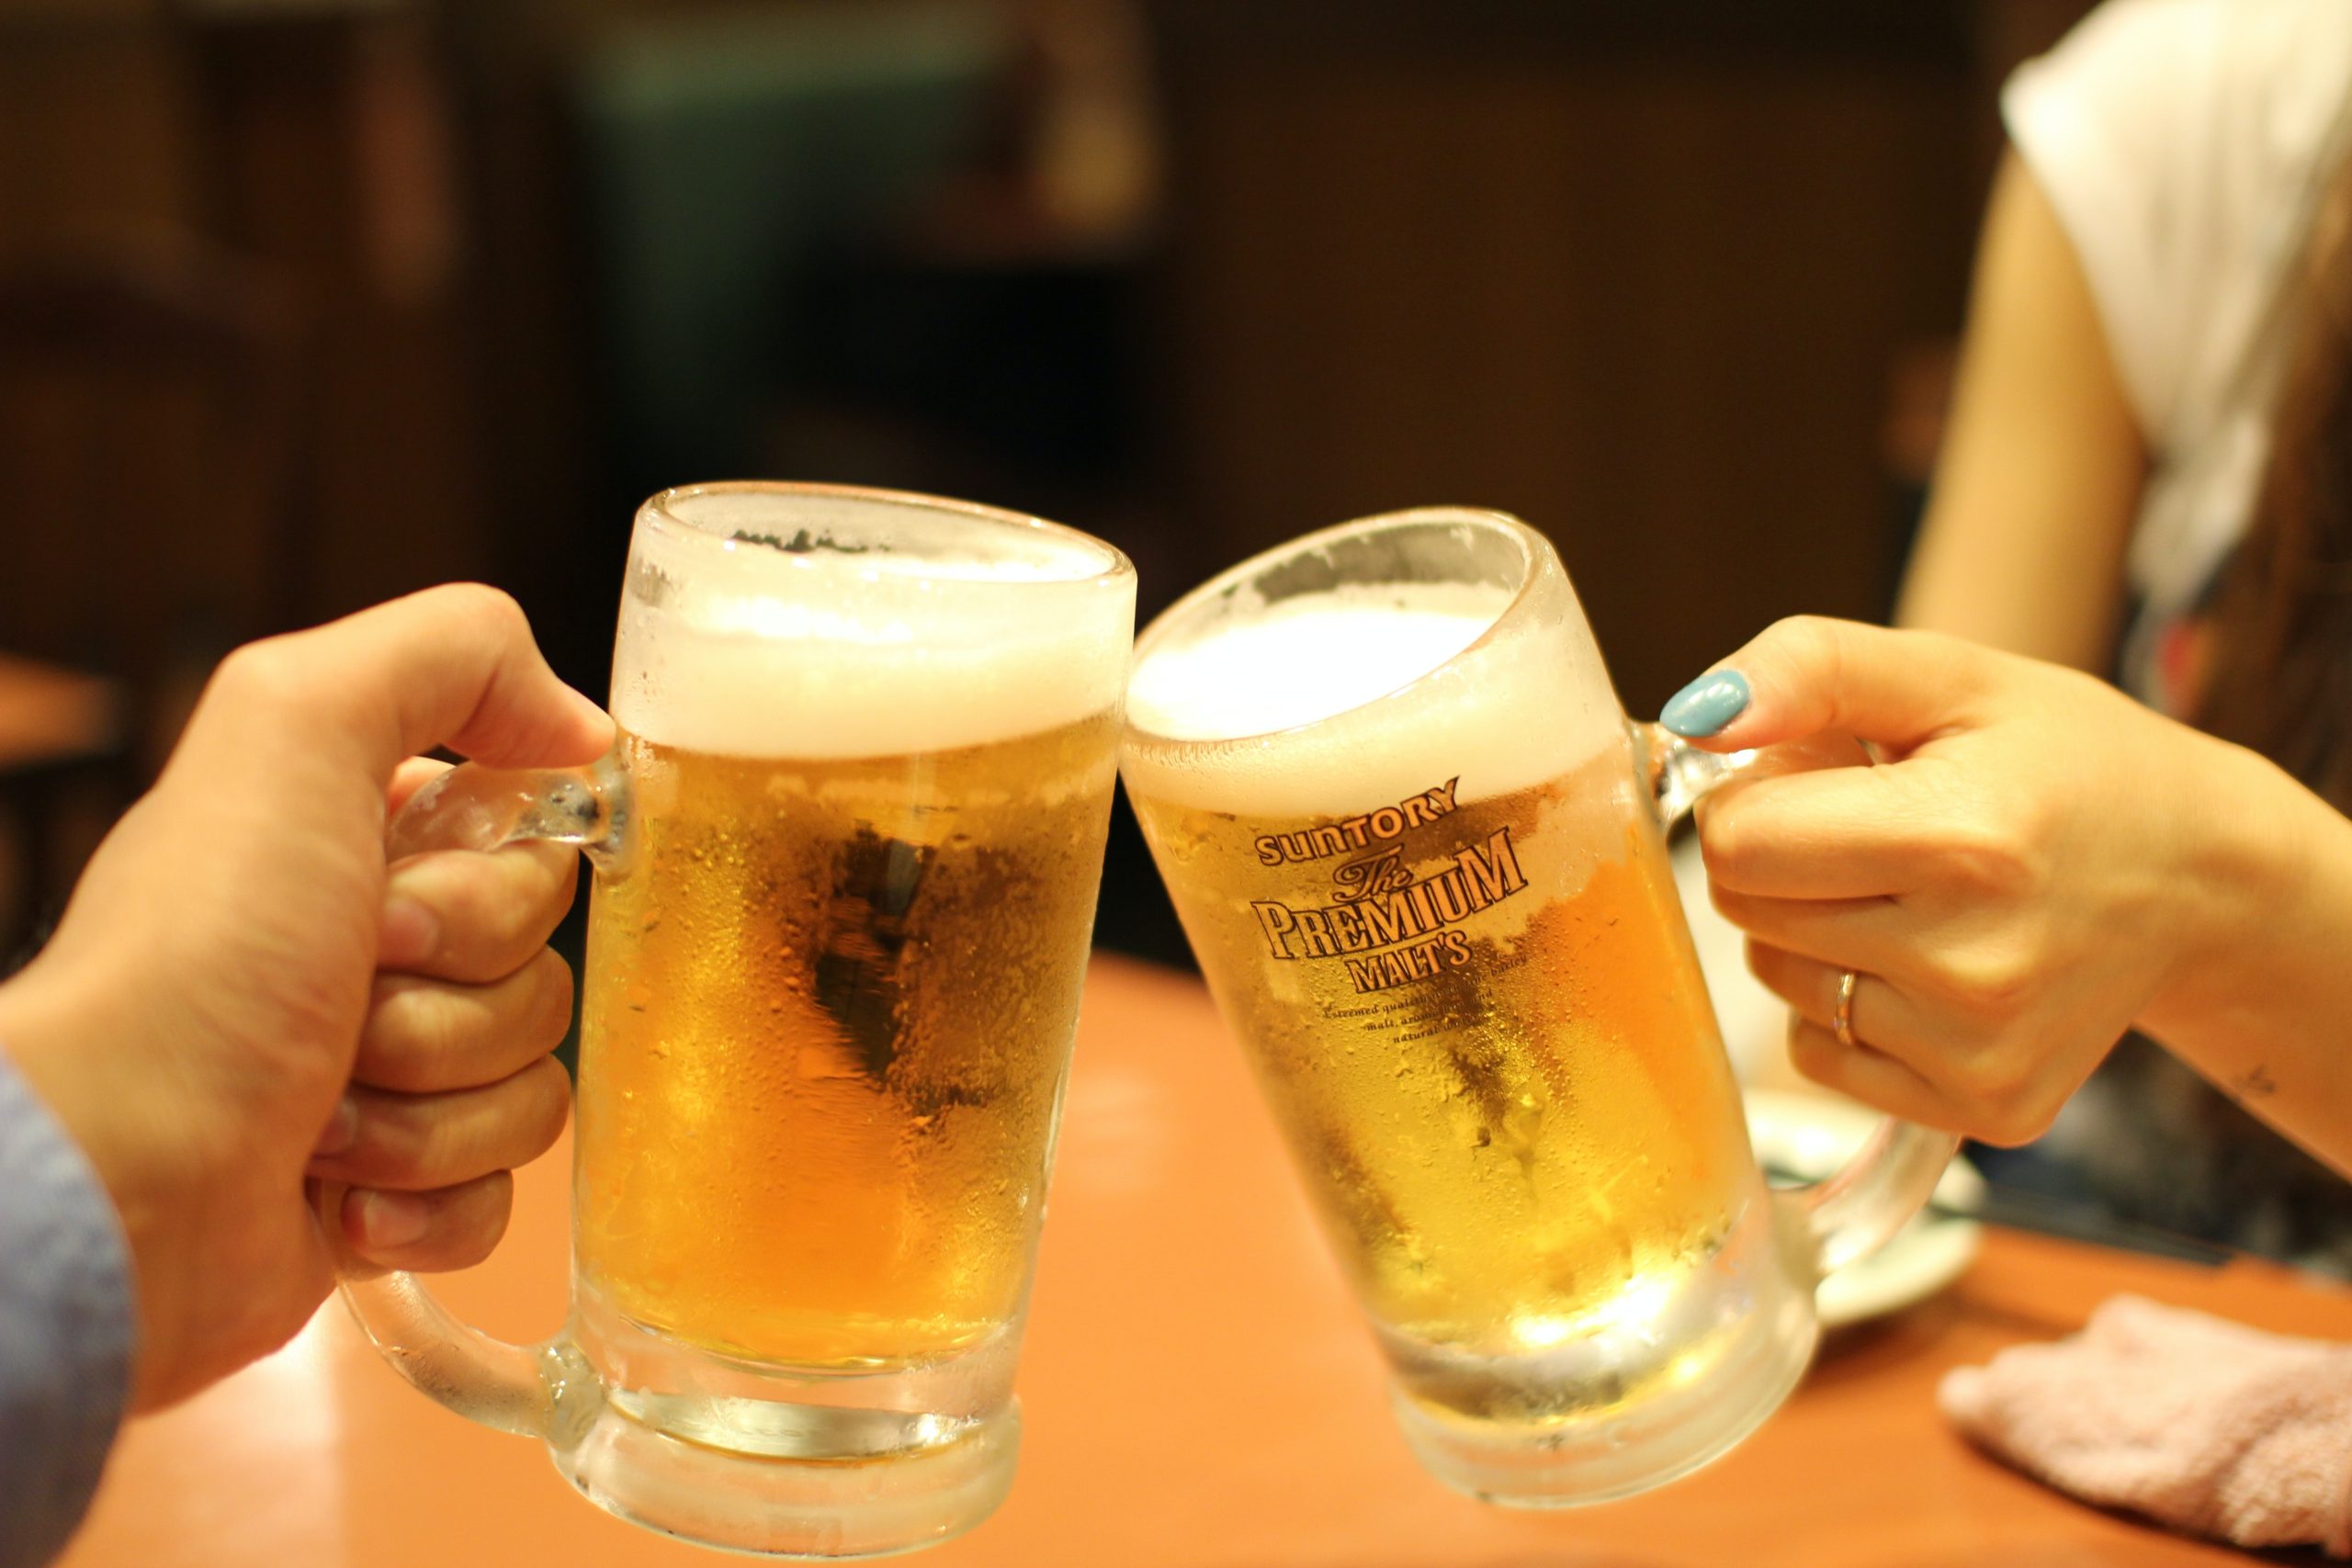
x: 1418, y: 852
x: 846, y: 854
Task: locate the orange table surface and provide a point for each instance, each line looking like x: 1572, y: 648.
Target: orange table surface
x: 1197, y: 1389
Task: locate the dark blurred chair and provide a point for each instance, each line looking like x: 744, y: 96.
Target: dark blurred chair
x: 720, y: 154
x: 151, y: 432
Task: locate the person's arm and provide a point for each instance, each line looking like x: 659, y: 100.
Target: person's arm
x: 243, y: 1001
x: 66, y: 1327
x: 2041, y: 468
x: 2039, y: 864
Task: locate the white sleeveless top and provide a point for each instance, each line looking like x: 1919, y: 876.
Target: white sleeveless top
x: 2185, y: 145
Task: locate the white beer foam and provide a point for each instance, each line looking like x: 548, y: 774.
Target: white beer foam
x: 1303, y: 658
x: 736, y: 647
x: 1367, y: 666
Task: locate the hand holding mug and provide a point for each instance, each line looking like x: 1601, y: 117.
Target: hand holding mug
x: 2039, y: 864
x: 242, y: 993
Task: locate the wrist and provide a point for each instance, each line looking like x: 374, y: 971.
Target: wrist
x: 2242, y: 871
x: 51, y: 1024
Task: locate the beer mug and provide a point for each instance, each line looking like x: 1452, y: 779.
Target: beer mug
x: 1419, y: 852
x: 846, y: 851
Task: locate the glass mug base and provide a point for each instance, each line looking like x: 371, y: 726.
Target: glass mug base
x: 823, y: 1509
x: 1629, y: 1403
x: 777, y: 1458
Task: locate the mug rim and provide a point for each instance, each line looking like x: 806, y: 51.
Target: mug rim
x: 657, y: 512
x: 1532, y: 545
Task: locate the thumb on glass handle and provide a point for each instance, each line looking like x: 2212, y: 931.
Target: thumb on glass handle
x: 1832, y: 1223
x: 543, y: 1391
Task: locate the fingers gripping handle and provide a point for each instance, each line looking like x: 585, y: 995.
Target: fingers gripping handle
x: 545, y: 1391
x: 1832, y: 1223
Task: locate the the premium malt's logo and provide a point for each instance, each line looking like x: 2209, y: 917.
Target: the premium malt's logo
x: 1388, y: 925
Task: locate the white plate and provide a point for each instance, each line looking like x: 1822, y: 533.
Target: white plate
x: 1811, y: 1136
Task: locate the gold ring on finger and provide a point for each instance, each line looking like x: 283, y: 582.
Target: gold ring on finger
x: 1841, y: 1017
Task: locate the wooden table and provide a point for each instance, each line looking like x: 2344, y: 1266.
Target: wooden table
x: 1198, y: 1391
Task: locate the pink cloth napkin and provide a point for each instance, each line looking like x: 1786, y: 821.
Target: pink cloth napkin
x: 2200, y: 1423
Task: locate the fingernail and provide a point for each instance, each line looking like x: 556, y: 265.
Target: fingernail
x: 342, y: 1130
x: 411, y: 933
x: 1706, y: 704
x: 391, y: 1219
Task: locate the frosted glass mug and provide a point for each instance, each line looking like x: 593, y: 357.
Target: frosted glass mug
x: 847, y: 854
x: 1418, y: 850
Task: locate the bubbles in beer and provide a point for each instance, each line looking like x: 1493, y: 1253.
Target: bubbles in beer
x: 826, y: 1016
x: 1504, y: 1140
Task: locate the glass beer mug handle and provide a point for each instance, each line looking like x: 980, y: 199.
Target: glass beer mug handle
x: 544, y: 1389
x: 1831, y: 1223
x: 472, y: 808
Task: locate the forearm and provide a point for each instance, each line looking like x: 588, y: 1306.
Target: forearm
x: 2261, y: 1002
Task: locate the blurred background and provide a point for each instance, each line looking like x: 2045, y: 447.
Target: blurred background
x: 306, y: 304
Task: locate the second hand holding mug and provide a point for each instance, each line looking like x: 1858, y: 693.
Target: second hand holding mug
x: 847, y: 850
x: 1418, y: 852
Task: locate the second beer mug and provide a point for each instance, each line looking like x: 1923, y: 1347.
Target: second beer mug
x: 1418, y: 850
x: 846, y: 850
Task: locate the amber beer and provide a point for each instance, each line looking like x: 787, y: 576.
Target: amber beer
x: 823, y: 1033
x: 1453, y: 951
x: 831, y: 987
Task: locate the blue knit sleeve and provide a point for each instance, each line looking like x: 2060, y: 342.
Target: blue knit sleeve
x: 67, y: 1324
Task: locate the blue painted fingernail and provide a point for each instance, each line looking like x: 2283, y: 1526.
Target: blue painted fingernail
x: 1706, y: 704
